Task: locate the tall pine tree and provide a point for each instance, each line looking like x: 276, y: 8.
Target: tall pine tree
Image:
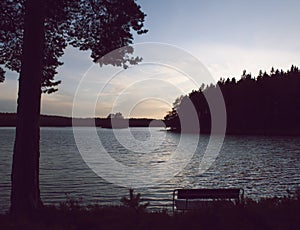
x: 33, y: 36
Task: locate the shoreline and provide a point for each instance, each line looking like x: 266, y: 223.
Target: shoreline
x: 268, y: 213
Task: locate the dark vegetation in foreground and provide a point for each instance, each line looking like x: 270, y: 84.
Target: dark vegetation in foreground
x: 9, y: 120
x: 267, y: 104
x: 268, y: 213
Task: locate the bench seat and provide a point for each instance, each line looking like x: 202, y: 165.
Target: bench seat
x: 189, y: 199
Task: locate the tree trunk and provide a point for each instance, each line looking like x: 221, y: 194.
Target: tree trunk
x: 25, y: 193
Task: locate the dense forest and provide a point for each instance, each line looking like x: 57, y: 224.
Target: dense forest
x: 267, y: 104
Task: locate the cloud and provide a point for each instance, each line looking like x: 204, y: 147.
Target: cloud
x: 226, y: 36
x: 58, y: 103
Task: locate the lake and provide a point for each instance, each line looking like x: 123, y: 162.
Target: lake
x: 262, y: 166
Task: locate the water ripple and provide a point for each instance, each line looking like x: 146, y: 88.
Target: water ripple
x: 263, y: 166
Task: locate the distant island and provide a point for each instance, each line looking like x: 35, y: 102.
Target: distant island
x: 9, y: 120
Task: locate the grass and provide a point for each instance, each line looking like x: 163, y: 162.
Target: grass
x: 268, y: 213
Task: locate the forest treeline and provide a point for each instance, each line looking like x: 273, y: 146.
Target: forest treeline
x: 267, y: 104
x: 9, y: 120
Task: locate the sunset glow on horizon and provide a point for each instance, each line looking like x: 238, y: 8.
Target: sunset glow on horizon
x: 226, y: 37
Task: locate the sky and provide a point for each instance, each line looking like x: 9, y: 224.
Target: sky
x: 225, y: 36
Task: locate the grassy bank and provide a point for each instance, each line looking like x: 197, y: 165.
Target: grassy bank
x: 270, y: 213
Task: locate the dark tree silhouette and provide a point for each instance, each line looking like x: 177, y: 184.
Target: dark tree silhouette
x: 33, y: 36
x: 2, y: 77
x: 117, y: 115
x: 268, y: 104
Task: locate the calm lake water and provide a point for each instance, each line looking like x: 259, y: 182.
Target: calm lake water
x: 263, y: 166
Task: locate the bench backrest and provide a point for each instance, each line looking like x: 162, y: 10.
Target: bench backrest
x: 229, y: 193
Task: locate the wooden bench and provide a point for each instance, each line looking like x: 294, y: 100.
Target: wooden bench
x: 185, y: 199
